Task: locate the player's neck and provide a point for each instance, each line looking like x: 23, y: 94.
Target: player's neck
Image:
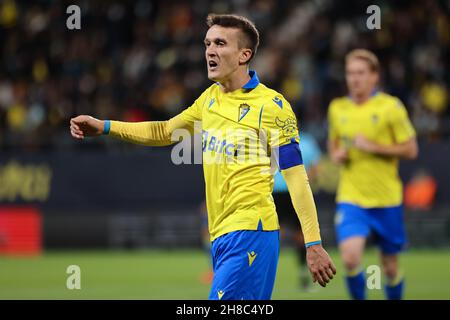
x: 360, y: 98
x: 236, y: 80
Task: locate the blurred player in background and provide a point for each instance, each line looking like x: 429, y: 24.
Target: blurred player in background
x: 289, y: 224
x: 369, y: 131
x: 242, y: 220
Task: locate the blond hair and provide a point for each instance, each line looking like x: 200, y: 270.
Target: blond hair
x: 367, y: 56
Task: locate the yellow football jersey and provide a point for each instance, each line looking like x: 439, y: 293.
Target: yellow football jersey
x: 240, y: 128
x: 366, y: 179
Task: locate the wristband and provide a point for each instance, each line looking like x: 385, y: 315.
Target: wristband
x: 107, y: 127
x: 309, y: 244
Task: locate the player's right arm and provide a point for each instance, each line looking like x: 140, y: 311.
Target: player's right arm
x: 337, y: 152
x: 150, y: 133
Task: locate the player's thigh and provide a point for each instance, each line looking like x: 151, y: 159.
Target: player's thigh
x: 246, y: 267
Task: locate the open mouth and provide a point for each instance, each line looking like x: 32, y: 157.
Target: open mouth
x: 212, y: 65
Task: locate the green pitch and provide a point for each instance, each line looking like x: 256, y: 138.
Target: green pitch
x: 176, y: 274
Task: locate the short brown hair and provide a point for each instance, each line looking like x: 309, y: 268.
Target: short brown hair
x: 251, y: 34
x: 367, y: 56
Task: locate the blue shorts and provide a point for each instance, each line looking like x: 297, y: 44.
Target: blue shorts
x: 385, y: 223
x: 244, y: 264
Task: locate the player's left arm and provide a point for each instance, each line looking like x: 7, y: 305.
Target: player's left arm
x: 284, y: 141
x: 405, y: 145
x: 319, y: 262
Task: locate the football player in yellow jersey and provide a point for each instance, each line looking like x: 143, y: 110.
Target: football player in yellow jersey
x: 245, y: 125
x: 369, y: 131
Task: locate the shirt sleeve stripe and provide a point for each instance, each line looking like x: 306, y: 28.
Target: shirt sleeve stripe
x: 260, y: 115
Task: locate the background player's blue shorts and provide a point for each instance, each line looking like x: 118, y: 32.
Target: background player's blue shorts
x: 386, y: 224
x: 244, y: 265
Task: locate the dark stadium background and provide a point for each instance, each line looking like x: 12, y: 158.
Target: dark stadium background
x: 67, y: 202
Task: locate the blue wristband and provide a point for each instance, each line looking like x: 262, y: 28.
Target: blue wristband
x: 107, y: 127
x: 309, y: 244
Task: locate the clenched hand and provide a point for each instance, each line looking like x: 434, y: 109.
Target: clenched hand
x: 86, y: 126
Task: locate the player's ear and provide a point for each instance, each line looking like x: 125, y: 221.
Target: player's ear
x: 245, y: 56
x: 376, y: 77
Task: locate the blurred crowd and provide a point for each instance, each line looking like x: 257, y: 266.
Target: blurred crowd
x: 144, y: 60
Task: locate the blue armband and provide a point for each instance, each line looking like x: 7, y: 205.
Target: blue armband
x: 309, y: 244
x: 289, y: 155
x: 107, y: 127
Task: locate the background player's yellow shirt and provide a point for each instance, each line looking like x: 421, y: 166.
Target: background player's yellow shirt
x: 237, y: 171
x: 367, y: 179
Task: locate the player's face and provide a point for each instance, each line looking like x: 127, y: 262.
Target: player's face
x: 360, y: 79
x: 223, y: 56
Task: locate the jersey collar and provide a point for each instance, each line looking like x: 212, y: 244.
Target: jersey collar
x: 372, y: 94
x: 253, y: 82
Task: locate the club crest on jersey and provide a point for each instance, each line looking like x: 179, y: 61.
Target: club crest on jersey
x: 243, y: 110
x: 375, y: 118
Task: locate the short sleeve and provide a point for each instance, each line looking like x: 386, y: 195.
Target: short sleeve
x: 400, y: 124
